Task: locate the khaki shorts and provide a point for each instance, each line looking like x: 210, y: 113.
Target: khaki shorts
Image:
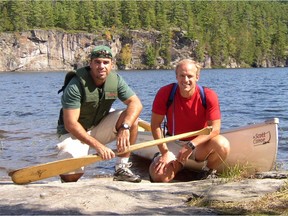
x: 175, y: 147
x: 105, y: 132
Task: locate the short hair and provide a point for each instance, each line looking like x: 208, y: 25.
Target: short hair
x: 189, y: 61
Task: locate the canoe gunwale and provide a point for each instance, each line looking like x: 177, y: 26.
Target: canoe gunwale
x: 252, y: 125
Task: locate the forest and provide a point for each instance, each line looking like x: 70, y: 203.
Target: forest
x: 248, y: 31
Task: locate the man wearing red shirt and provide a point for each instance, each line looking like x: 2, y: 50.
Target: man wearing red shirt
x: 187, y: 113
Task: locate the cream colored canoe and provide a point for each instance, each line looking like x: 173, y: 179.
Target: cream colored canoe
x: 253, y: 147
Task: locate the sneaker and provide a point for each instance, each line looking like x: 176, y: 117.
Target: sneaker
x: 207, y: 174
x: 123, y: 173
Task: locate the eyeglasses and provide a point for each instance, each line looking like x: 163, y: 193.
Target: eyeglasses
x: 101, y: 54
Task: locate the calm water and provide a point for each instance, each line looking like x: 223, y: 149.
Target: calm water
x: 30, y: 105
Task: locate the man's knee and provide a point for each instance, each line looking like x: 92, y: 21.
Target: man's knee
x: 154, y: 177
x: 70, y: 177
x: 225, y: 145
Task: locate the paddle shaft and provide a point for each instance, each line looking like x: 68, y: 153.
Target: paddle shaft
x: 47, y: 170
x: 145, y: 125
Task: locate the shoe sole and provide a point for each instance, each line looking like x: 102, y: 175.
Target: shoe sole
x: 127, y: 180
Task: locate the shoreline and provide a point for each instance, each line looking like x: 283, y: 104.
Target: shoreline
x: 105, y: 196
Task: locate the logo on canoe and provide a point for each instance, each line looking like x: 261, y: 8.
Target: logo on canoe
x: 262, y: 138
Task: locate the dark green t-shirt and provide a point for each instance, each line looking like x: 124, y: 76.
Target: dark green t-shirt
x: 73, y: 93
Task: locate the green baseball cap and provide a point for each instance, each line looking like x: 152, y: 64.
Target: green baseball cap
x: 101, y: 52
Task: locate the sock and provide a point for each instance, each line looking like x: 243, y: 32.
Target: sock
x: 121, y: 160
x: 205, y: 168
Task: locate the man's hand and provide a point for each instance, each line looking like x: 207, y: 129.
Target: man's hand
x: 123, y: 140
x: 164, y: 160
x: 105, y: 152
x: 184, y: 154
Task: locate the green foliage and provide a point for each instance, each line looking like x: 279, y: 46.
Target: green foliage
x: 251, y: 32
x: 6, y: 24
x: 165, y: 46
x: 125, y: 56
x: 130, y: 14
x: 150, y: 56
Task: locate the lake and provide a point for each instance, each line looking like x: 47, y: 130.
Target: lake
x: 30, y: 106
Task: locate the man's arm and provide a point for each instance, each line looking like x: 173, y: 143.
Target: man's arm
x: 216, y: 125
x: 132, y: 112
x: 156, y: 121
x: 72, y: 125
x: 166, y: 155
x: 186, y: 151
x: 128, y: 116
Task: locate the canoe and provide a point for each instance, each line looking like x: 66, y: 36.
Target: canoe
x: 253, y: 147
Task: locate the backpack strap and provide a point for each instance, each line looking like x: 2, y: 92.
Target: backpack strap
x: 68, y: 77
x: 172, y: 94
x: 168, y: 104
x: 203, y: 96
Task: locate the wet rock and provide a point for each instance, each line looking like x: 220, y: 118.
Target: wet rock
x: 272, y: 174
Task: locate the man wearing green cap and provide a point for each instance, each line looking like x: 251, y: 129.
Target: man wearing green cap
x: 86, y: 119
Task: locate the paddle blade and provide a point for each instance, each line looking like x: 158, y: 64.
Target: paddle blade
x: 47, y: 170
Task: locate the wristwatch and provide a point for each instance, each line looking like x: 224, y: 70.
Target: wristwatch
x: 191, y: 145
x: 125, y: 126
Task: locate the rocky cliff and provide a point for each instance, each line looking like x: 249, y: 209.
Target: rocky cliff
x: 51, y: 50
x: 42, y: 50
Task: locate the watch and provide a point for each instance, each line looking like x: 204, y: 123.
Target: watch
x: 125, y: 126
x: 191, y: 145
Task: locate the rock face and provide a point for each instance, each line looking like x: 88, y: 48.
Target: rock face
x: 37, y: 50
x: 51, y: 50
x: 43, y: 50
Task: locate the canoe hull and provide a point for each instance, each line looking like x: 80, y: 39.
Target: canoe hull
x: 253, y: 147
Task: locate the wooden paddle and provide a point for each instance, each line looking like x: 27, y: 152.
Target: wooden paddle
x: 145, y: 125
x: 47, y: 170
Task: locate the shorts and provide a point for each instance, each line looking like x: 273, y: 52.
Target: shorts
x: 105, y: 132
x: 175, y: 147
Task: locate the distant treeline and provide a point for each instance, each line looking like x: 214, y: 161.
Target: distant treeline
x: 248, y: 31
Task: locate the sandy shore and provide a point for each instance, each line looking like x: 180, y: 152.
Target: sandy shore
x: 105, y: 196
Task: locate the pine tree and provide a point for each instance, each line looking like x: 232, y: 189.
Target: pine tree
x: 130, y: 15
x: 150, y: 55
x: 6, y: 24
x: 18, y: 15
